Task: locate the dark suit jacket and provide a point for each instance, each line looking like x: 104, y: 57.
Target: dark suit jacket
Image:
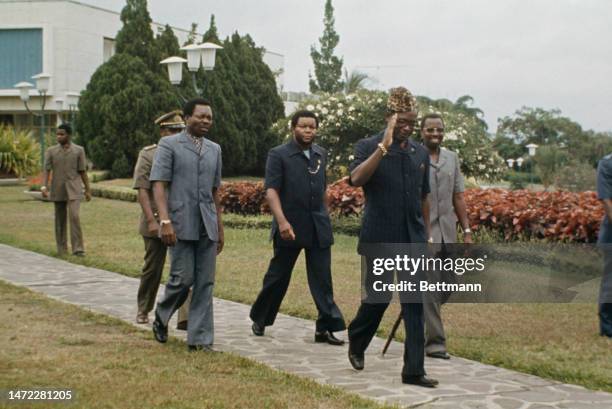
x: 394, y: 193
x: 301, y: 185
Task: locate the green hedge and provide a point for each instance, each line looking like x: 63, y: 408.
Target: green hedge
x: 342, y: 225
x: 114, y: 192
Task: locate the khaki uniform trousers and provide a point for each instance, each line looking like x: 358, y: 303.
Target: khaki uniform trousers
x: 63, y: 211
x: 154, y: 260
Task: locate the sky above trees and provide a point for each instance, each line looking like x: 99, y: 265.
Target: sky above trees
x: 505, y: 54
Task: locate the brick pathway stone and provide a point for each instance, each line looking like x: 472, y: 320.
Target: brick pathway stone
x: 289, y: 346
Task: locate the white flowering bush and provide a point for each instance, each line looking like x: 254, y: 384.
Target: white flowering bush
x: 345, y: 119
x: 466, y: 135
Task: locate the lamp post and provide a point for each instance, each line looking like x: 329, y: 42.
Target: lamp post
x: 510, y: 163
x: 72, y: 100
x: 519, y: 162
x: 42, y: 86
x: 198, y: 55
x: 531, y: 149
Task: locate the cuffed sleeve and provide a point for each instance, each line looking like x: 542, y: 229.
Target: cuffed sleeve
x: 274, y: 171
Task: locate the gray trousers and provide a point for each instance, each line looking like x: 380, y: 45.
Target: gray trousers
x: 435, y: 339
x: 63, y: 211
x: 192, y: 263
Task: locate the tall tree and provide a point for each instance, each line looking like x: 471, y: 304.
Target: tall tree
x: 167, y: 43
x: 136, y: 36
x: 117, y: 109
x: 327, y: 66
x: 242, y: 91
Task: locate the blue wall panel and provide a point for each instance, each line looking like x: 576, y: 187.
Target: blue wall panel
x: 20, y: 55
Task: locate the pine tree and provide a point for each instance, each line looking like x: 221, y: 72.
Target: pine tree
x: 327, y: 67
x: 136, y: 36
x: 242, y: 91
x: 125, y: 94
x: 167, y: 43
x: 117, y: 109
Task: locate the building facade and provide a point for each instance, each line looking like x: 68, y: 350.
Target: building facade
x: 68, y: 40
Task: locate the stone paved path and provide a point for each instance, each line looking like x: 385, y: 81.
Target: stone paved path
x: 289, y: 346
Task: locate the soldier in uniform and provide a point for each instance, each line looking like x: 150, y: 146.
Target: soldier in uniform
x: 604, y: 193
x: 155, y: 250
x: 67, y: 162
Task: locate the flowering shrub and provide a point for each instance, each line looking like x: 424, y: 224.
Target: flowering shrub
x: 556, y: 216
x: 345, y: 119
x: 562, y: 216
x: 466, y: 135
x: 244, y: 198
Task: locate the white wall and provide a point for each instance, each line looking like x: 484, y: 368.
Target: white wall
x: 73, y: 43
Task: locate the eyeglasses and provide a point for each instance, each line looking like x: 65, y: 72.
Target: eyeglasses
x: 432, y: 130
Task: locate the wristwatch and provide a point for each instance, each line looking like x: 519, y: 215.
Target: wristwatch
x: 382, y: 149
x: 164, y: 222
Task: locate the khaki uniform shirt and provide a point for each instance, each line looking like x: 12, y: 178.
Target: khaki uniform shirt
x: 142, y: 171
x: 66, y: 163
x: 445, y: 179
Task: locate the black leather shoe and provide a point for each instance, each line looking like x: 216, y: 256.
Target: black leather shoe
x: 182, y: 326
x: 203, y: 348
x: 160, y: 331
x: 439, y: 355
x: 327, y: 336
x: 419, y: 380
x: 257, y: 329
x: 357, y: 361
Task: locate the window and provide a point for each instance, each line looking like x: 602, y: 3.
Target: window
x: 6, y: 119
x: 21, y: 51
x: 109, y: 49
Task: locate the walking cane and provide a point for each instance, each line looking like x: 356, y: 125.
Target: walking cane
x: 392, y: 333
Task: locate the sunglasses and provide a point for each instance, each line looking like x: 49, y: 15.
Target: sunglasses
x: 432, y: 130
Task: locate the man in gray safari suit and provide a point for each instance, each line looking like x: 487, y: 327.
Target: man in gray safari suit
x: 446, y: 207
x: 186, y: 175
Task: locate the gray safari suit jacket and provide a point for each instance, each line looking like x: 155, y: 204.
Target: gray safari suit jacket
x: 191, y: 177
x: 445, y: 180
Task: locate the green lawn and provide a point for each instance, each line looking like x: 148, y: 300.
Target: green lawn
x: 557, y: 341
x: 110, y: 364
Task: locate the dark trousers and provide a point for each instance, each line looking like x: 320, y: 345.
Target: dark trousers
x: 363, y: 327
x: 605, y: 295
x: 276, y: 282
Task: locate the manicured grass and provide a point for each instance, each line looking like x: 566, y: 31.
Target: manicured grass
x: 110, y: 364
x: 557, y: 341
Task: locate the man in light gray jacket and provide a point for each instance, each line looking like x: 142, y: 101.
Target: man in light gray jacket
x: 186, y: 175
x: 446, y: 206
